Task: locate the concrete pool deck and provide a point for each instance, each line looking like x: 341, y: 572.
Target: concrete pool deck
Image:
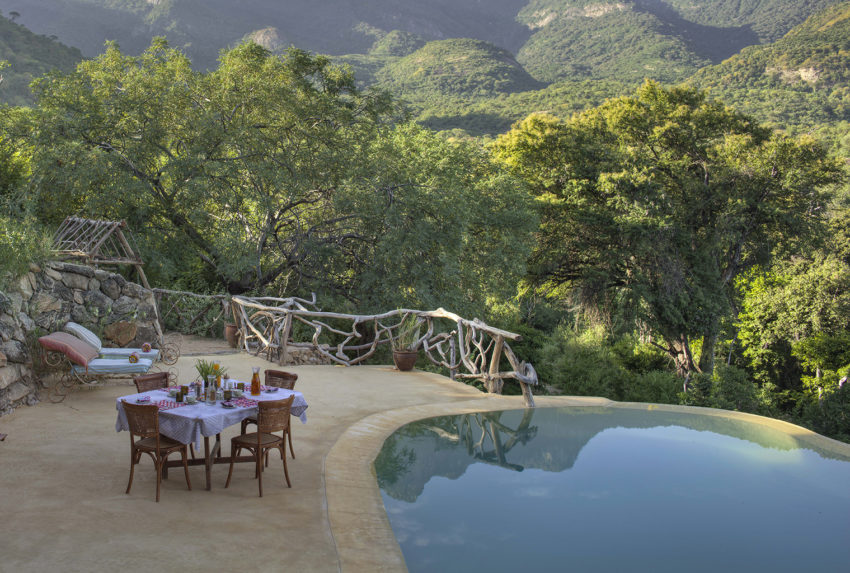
x: 64, y: 469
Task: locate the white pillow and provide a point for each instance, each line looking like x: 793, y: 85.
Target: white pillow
x: 84, y: 334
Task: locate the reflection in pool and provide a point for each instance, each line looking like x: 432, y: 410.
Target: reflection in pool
x: 612, y: 489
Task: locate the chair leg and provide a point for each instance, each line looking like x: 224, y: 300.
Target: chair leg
x: 133, y: 461
x: 158, y: 464
x: 285, y: 469
x: 260, y: 470
x: 289, y: 436
x: 184, y: 454
x: 234, y: 451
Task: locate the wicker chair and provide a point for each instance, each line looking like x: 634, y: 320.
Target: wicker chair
x: 273, y: 416
x: 279, y: 379
x: 152, y: 381
x: 143, y: 421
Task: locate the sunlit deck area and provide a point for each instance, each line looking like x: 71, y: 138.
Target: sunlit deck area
x: 64, y: 470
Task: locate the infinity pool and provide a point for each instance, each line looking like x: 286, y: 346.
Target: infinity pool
x: 612, y: 489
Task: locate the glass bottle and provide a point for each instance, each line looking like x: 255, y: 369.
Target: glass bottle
x: 219, y: 394
x: 255, y: 381
x: 211, y: 390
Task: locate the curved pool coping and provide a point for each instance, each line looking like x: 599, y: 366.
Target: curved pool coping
x: 359, y: 524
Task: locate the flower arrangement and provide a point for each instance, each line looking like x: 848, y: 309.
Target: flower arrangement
x: 207, y: 368
x: 134, y: 357
x: 146, y: 347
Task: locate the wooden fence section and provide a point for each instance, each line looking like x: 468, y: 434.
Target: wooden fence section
x: 468, y: 349
x: 192, y: 313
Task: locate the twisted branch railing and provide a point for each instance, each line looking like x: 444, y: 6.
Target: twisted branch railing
x: 192, y: 313
x: 468, y: 349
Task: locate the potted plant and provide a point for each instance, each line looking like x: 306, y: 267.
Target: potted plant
x: 406, y: 343
x: 207, y: 368
x: 231, y: 334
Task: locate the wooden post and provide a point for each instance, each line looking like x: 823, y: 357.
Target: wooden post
x: 527, y: 396
x: 283, y: 349
x: 452, y: 356
x: 494, y: 382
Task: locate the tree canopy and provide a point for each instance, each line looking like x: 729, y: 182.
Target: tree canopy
x: 655, y: 203
x: 275, y: 173
x: 238, y: 164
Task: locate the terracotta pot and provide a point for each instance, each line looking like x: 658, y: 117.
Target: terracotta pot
x: 231, y: 334
x: 405, y: 360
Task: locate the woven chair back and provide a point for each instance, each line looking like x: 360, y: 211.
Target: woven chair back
x: 281, y: 379
x: 151, y: 381
x: 274, y: 416
x: 143, y: 419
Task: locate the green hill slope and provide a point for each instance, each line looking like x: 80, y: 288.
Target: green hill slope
x: 603, y: 40
x: 459, y: 67
x: 554, y: 39
x: 29, y: 56
x: 800, y: 81
x: 769, y: 20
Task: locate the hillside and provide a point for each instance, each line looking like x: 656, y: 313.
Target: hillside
x: 203, y: 27
x: 29, y: 56
x: 553, y: 39
x: 478, y: 66
x: 459, y: 67
x: 604, y: 40
x: 798, y: 82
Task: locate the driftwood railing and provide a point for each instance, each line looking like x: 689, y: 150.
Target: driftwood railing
x: 192, y: 313
x: 468, y: 349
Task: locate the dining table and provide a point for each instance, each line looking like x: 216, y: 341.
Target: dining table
x: 189, y: 423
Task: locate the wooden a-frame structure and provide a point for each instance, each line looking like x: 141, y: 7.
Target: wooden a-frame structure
x: 98, y: 243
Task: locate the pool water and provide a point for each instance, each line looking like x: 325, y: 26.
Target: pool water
x: 612, y: 489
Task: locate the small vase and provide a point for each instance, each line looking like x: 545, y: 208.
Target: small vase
x: 405, y: 360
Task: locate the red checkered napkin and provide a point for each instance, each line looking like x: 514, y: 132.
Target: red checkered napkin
x: 244, y: 402
x: 168, y: 404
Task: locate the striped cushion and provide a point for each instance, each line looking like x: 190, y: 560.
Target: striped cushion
x: 75, y: 349
x: 116, y: 366
x: 85, y: 335
x: 153, y: 355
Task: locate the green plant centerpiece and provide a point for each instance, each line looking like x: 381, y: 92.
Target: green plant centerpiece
x: 207, y: 368
x: 406, y: 342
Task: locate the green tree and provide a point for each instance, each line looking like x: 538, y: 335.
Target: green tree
x: 240, y: 165
x: 796, y: 317
x: 438, y: 224
x: 657, y: 202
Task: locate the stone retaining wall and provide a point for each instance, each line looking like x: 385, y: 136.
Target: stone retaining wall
x: 120, y: 312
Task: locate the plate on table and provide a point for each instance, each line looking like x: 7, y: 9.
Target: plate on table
x: 228, y: 405
x: 143, y: 400
x: 272, y: 390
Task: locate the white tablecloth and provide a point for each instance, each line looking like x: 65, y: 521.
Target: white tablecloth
x: 187, y: 424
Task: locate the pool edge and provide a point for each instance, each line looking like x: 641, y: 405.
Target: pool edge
x: 359, y: 524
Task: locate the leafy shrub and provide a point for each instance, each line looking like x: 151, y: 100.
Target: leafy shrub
x: 828, y: 413
x: 729, y: 388
x: 582, y: 365
x: 654, y: 386
x: 21, y: 243
x: 640, y: 357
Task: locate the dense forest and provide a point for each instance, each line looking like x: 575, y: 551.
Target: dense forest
x: 678, y: 239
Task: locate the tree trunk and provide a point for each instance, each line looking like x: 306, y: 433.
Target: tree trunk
x: 680, y: 350
x: 706, y: 359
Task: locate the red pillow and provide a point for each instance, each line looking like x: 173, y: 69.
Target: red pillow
x: 75, y: 349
